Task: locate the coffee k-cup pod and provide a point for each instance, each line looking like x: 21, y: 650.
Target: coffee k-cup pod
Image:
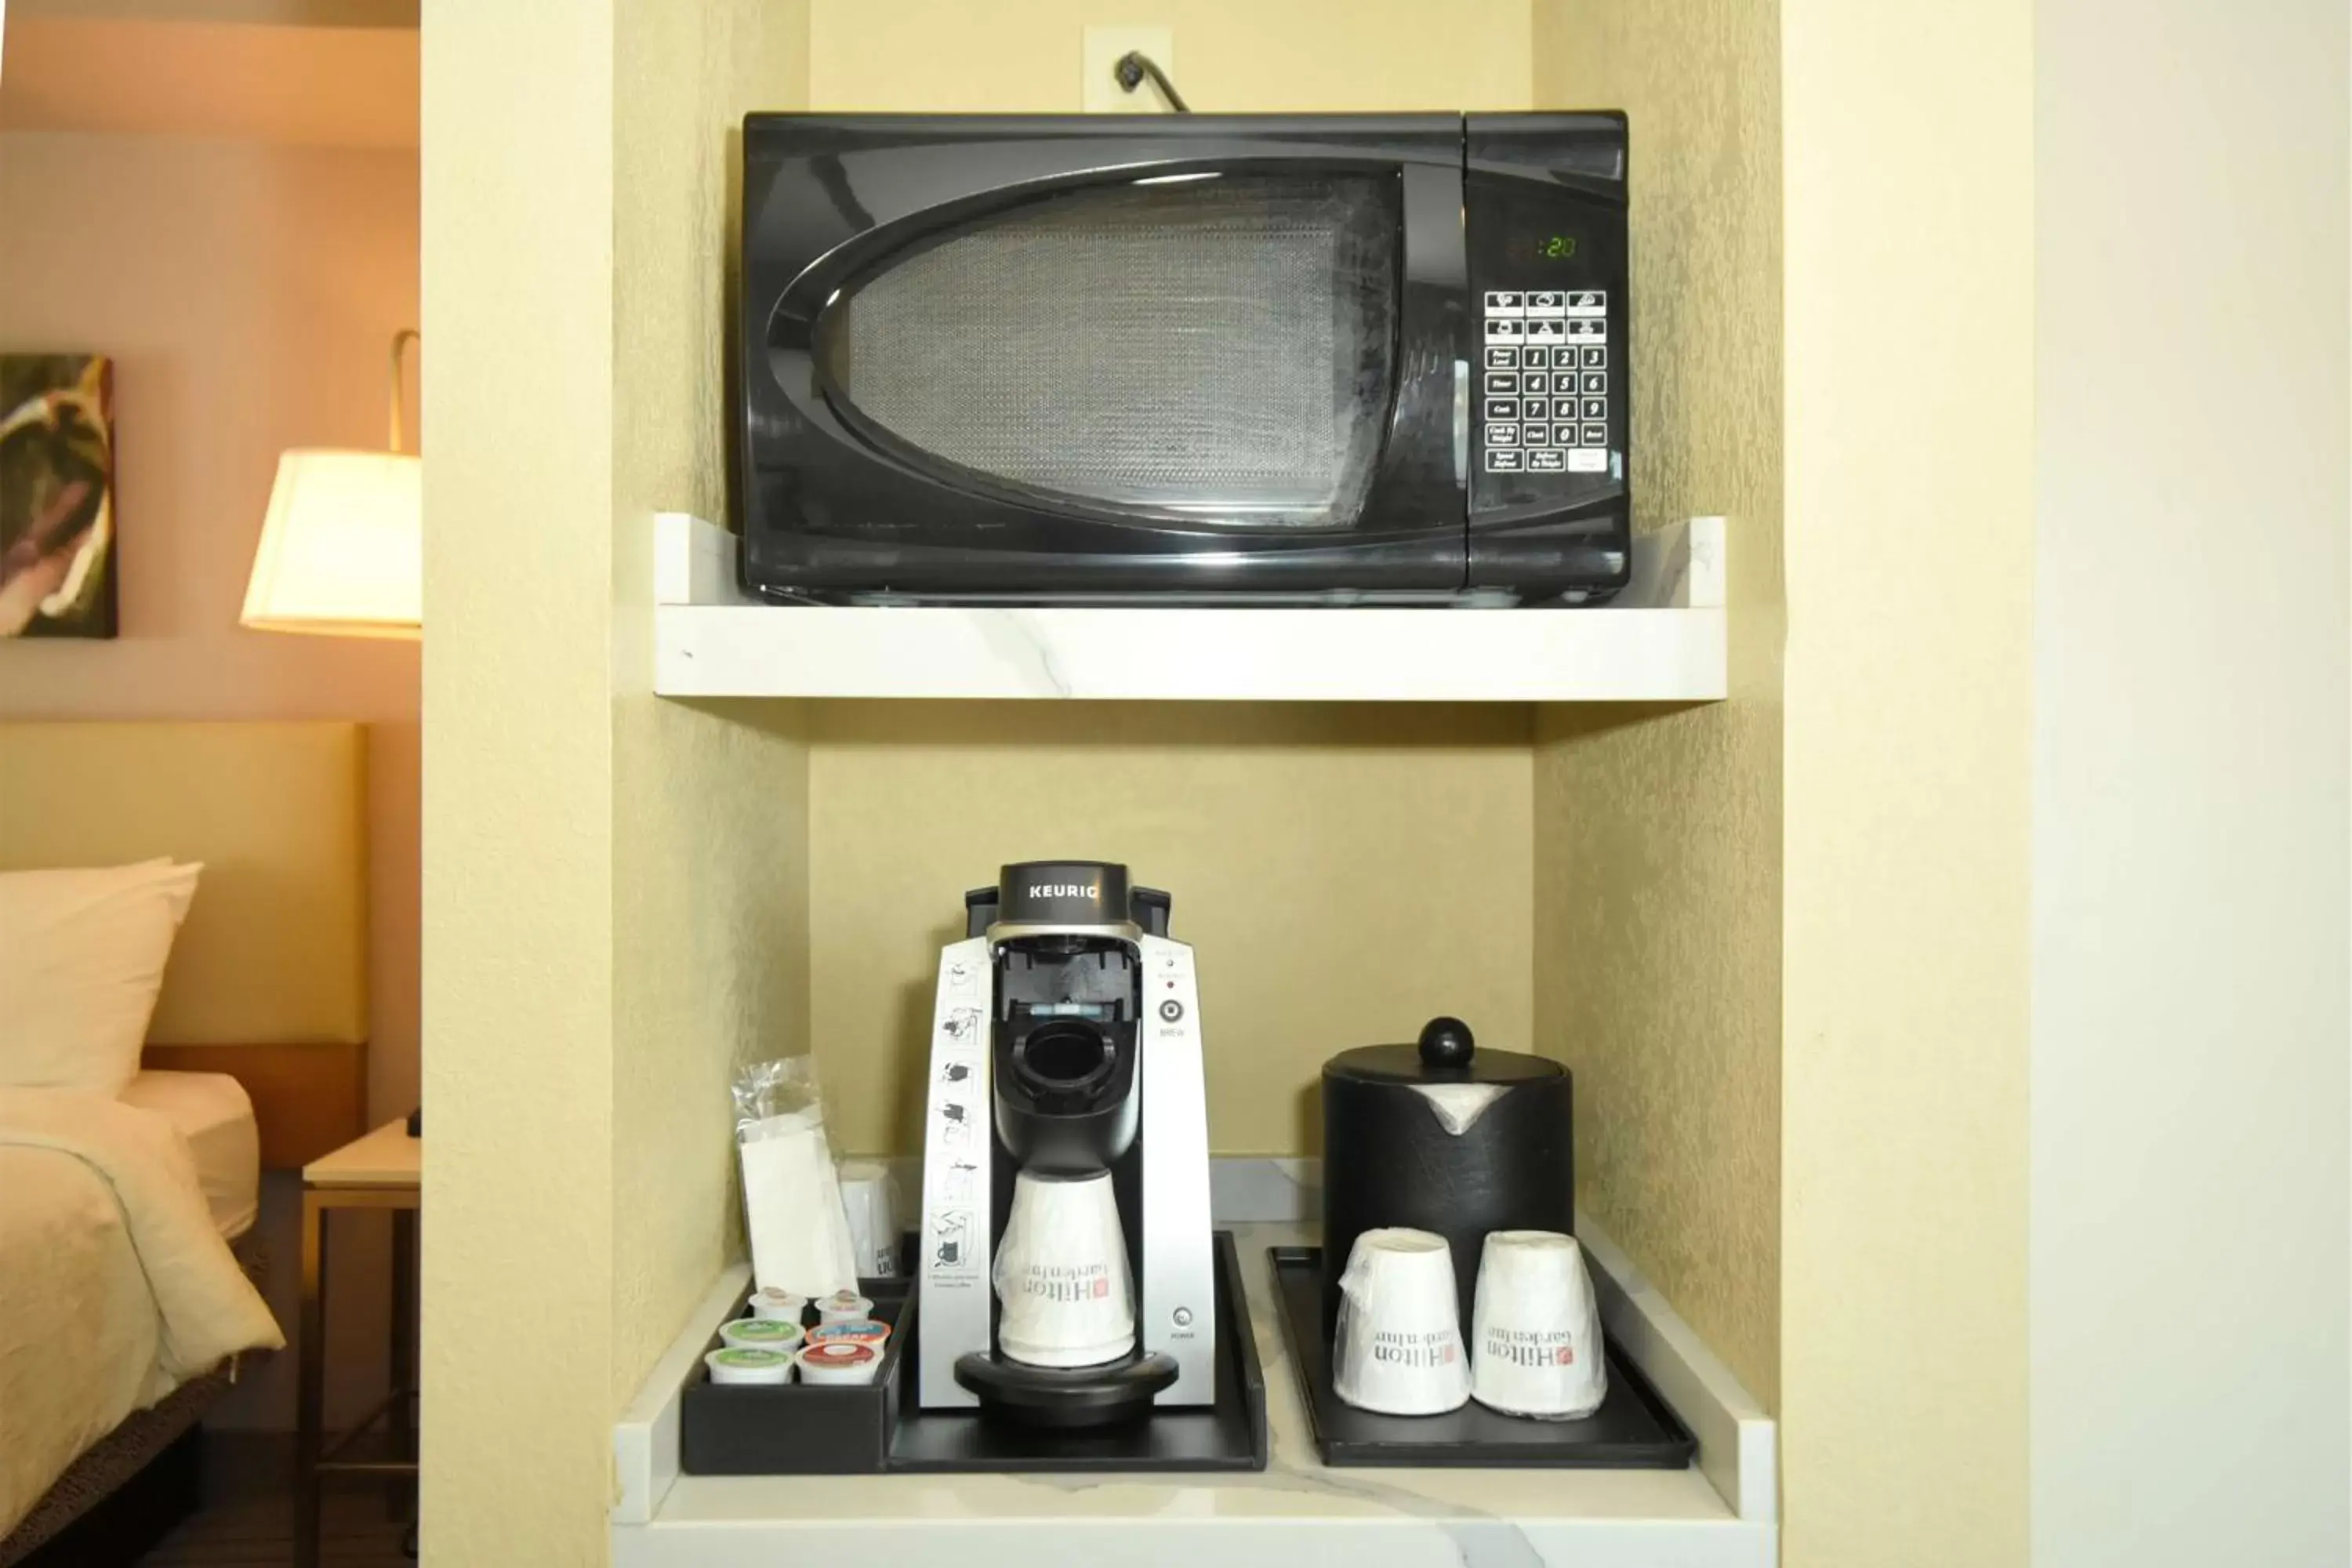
x: 1535, y: 1333
x: 1061, y: 1274
x: 839, y: 1361
x: 747, y: 1364
x: 778, y: 1304
x: 760, y: 1333
x: 1398, y: 1348
x: 861, y: 1331
x: 844, y: 1307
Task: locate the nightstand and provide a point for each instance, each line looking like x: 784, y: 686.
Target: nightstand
x: 383, y: 1170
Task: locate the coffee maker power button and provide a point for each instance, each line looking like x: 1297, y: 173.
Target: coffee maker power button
x: 1183, y: 1316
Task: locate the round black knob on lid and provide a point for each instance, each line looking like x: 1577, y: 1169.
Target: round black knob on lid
x: 1447, y: 1044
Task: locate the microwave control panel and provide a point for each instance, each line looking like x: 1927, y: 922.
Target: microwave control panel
x: 1544, y: 382
x: 1544, y: 229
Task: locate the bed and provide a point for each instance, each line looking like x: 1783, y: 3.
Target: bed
x: 113, y: 1308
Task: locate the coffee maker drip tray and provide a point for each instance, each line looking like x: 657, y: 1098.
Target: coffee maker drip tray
x: 1088, y: 1418
x: 1069, y: 1397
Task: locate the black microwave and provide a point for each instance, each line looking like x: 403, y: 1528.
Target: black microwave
x: 1188, y: 358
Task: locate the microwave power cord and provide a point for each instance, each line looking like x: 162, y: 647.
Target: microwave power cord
x: 1133, y: 67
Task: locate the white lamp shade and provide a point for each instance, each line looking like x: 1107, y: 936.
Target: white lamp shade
x: 343, y: 550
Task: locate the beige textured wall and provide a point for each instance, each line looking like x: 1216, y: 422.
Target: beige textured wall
x: 1233, y: 55
x: 1345, y: 872
x: 248, y: 293
x: 611, y: 919
x: 710, y: 816
x: 1909, y: 266
x: 519, y: 785
x: 1657, y: 835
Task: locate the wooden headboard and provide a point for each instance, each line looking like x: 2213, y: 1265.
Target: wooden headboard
x: 269, y: 978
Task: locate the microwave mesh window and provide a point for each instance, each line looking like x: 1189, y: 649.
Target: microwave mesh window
x: 1217, y: 350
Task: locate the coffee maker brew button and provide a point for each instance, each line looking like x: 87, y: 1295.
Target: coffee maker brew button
x: 1171, y: 1009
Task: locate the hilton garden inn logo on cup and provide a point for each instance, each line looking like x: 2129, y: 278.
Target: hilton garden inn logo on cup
x: 1442, y: 1348
x: 1527, y: 1347
x: 1065, y: 1284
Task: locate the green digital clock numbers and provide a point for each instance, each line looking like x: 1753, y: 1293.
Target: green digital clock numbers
x: 1558, y: 248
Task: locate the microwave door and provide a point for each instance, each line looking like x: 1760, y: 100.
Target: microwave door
x: 1215, y: 358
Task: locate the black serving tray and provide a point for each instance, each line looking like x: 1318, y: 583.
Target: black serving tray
x: 1633, y: 1429
x: 881, y: 1427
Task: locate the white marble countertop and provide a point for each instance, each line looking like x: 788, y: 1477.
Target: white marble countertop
x: 1298, y: 1511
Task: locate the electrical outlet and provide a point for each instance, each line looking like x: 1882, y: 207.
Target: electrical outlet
x: 1103, y: 45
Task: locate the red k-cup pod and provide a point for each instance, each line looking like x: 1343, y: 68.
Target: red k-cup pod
x: 838, y: 1361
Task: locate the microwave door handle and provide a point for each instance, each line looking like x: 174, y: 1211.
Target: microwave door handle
x: 1420, y: 489
x: 1462, y: 422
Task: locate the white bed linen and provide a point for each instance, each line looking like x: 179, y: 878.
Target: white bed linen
x: 115, y: 1288
x: 213, y: 1113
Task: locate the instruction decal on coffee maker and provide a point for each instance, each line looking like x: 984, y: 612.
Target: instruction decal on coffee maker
x: 958, y: 1149
x: 952, y: 1257
x: 952, y: 1239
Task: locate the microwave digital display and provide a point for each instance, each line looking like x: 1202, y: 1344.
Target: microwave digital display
x: 1541, y: 248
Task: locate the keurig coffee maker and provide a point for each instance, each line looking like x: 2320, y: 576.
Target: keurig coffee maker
x: 1067, y: 1274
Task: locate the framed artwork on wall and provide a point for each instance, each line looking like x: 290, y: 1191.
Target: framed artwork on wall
x: 57, y: 496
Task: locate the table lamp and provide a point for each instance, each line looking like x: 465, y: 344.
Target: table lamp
x: 341, y: 550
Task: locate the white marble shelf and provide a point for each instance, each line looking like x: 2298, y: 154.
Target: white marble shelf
x: 1663, y: 640
x: 1720, y: 1513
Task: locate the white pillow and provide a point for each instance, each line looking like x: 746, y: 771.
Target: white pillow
x: 81, y: 959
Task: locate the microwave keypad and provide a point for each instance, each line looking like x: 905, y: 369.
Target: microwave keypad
x: 1544, y: 390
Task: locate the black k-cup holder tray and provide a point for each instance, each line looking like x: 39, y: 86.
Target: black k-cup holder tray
x: 1633, y: 1429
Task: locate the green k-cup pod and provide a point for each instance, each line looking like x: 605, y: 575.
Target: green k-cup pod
x: 760, y: 1333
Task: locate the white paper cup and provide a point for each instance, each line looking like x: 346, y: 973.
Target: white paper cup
x: 761, y: 1334
x: 844, y: 1307
x: 733, y: 1365
x: 1398, y: 1349
x: 780, y: 1305
x: 839, y: 1362
x: 1061, y: 1273
x: 1535, y: 1332
x: 867, y: 1202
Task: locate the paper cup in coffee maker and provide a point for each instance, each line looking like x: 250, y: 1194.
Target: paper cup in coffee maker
x: 1061, y: 1273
